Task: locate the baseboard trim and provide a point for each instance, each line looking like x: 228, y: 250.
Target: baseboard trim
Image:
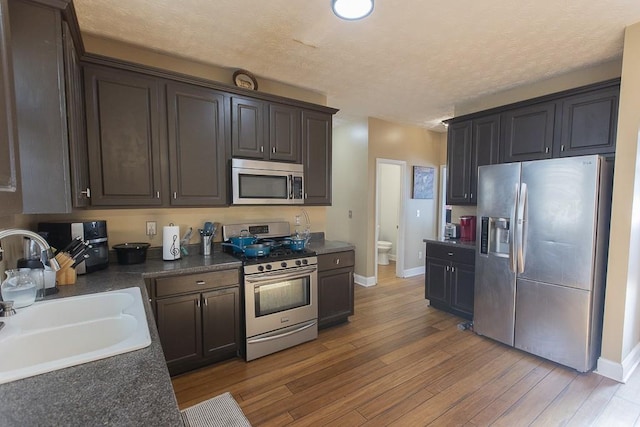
x: 620, y: 372
x: 413, y: 272
x: 364, y: 281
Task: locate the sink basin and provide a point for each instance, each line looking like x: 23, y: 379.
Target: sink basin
x: 56, y: 334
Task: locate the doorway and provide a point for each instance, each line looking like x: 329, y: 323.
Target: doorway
x: 390, y: 194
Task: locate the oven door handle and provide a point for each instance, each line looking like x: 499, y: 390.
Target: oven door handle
x: 253, y: 278
x: 286, y: 334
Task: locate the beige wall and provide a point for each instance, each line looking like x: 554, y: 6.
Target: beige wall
x: 349, y: 176
x: 418, y: 147
x: 621, y: 335
x: 135, y: 54
x: 598, y: 73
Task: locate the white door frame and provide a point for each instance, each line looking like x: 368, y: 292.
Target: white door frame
x: 401, y: 218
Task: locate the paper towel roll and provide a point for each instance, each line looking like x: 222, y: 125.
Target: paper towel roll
x: 170, y: 242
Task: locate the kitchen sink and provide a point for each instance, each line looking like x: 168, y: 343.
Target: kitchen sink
x: 56, y: 334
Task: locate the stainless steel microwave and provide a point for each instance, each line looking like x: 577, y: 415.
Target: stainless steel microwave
x: 257, y: 182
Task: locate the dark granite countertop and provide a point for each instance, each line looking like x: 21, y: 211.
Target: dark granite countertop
x: 453, y: 242
x: 129, y: 389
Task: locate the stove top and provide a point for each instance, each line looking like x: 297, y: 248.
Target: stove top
x: 276, y: 254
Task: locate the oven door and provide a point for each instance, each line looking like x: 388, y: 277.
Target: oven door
x: 276, y: 300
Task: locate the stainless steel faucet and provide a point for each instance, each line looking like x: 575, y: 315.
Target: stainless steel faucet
x: 46, y: 255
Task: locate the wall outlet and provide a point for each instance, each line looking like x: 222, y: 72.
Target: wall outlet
x: 419, y: 254
x: 297, y: 219
x: 418, y: 213
x: 151, y: 228
x: 350, y: 214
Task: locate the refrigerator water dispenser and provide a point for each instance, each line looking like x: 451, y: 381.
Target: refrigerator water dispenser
x: 495, y: 236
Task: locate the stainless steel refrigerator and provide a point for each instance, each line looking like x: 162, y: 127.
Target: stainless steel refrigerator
x: 541, y: 256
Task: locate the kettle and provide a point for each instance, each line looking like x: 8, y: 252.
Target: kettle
x: 22, y: 286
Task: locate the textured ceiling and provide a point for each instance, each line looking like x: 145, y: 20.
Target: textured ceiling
x: 410, y: 61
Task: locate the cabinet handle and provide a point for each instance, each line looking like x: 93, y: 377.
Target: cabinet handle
x: 453, y: 269
x: 562, y: 148
x: 471, y: 196
x: 450, y: 253
x: 465, y: 195
x: 198, y: 303
x: 87, y: 192
x: 546, y: 149
x: 337, y: 261
x: 305, y: 196
x: 201, y: 282
x: 206, y: 302
x: 157, y: 194
x: 262, y: 149
x: 448, y: 268
x: 175, y: 195
x: 273, y: 150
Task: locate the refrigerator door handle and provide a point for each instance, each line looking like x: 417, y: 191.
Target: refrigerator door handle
x: 521, y: 227
x: 512, y: 240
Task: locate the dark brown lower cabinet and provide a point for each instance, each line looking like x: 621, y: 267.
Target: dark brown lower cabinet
x: 335, y: 288
x: 450, y: 278
x: 198, y: 327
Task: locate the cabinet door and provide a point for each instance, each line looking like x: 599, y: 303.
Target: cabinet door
x: 79, y: 161
x: 589, y: 123
x: 335, y: 295
x: 38, y: 73
x: 221, y: 322
x: 195, y: 121
x: 436, y: 281
x: 316, y: 157
x: 123, y: 133
x: 284, y: 133
x: 486, y: 142
x: 459, y: 162
x: 528, y: 133
x: 180, y: 328
x: 462, y: 287
x: 247, y: 128
x: 10, y: 189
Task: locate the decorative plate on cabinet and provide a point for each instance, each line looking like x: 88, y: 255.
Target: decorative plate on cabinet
x: 245, y: 79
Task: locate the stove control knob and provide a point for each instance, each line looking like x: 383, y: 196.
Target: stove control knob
x: 260, y: 268
x: 305, y: 262
x: 268, y: 266
x: 283, y: 264
x: 298, y: 262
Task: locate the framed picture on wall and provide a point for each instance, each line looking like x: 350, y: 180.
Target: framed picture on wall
x: 423, y: 182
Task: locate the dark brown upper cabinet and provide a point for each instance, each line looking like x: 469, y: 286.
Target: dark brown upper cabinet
x: 264, y: 130
x: 472, y: 143
x: 10, y: 188
x: 589, y: 123
x: 79, y: 160
x: 196, y: 131
x: 124, y: 139
x: 316, y: 157
x: 459, y: 162
x: 528, y: 132
x: 41, y: 111
x: 576, y: 122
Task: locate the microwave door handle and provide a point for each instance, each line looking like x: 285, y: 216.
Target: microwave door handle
x: 290, y: 187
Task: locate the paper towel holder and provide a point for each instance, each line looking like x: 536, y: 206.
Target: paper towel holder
x: 171, y: 242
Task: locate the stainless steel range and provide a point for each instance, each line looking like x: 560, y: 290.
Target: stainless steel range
x: 280, y: 291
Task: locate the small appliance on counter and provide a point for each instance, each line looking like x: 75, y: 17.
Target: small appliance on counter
x: 452, y: 231
x: 468, y: 228
x: 61, y: 234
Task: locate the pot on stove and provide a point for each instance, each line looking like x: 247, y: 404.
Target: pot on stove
x: 240, y: 242
x: 253, y: 250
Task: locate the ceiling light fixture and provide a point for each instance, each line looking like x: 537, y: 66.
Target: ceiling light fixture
x: 352, y: 9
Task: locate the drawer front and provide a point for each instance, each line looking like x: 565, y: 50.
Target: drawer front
x: 166, y: 286
x: 336, y: 260
x: 463, y: 255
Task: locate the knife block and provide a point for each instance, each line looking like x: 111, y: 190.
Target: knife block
x: 67, y: 274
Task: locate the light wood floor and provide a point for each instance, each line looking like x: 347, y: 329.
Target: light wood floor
x: 400, y: 362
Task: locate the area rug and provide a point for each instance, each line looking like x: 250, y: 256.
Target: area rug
x: 219, y: 411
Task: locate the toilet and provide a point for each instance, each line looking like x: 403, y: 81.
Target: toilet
x: 384, y: 248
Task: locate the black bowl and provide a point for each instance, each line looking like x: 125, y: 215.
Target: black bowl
x: 131, y: 253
